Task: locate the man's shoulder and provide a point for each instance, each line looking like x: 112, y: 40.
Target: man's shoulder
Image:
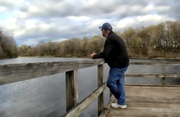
x: 114, y: 37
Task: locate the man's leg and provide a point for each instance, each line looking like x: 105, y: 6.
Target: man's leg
x: 112, y: 82
x: 116, y: 84
x: 121, y: 100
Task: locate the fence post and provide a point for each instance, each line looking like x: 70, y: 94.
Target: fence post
x: 163, y: 75
x: 71, y: 89
x: 100, y: 82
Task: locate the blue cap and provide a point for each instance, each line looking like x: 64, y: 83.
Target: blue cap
x: 106, y: 26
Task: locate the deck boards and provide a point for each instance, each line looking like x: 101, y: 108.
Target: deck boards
x: 150, y: 101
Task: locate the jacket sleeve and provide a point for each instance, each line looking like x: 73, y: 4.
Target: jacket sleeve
x: 100, y: 55
x: 109, y: 46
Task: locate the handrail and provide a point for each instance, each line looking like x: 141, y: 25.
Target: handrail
x: 10, y: 73
x: 18, y: 72
x: 154, y: 63
x: 163, y: 74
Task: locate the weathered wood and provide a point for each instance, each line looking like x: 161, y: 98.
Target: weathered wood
x: 71, y: 89
x: 80, y: 107
x: 100, y: 82
x: 10, y: 73
x: 106, y: 109
x: 163, y: 75
x: 172, y: 75
x: 18, y: 72
x: 153, y: 75
x: 149, y: 101
x: 154, y: 63
x: 76, y: 97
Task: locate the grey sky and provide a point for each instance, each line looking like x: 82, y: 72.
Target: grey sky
x: 34, y: 21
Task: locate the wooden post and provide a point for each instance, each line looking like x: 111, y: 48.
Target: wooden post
x: 163, y: 75
x: 100, y: 83
x: 71, y: 89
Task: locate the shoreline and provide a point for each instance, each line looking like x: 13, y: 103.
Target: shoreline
x: 143, y: 58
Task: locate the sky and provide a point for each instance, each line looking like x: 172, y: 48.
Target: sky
x: 32, y: 22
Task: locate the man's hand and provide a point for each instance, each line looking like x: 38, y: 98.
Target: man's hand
x: 94, y: 53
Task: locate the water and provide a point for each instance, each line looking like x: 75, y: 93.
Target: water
x: 45, y: 97
x: 36, y: 59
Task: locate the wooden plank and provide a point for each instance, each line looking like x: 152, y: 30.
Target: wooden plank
x: 149, y: 101
x: 144, y: 112
x: 154, y: 63
x: 172, y: 75
x: 75, y: 112
x: 144, y: 75
x: 75, y: 81
x: 100, y: 82
x: 153, y: 75
x: 107, y: 108
x: 163, y: 74
x: 18, y: 72
x: 71, y: 89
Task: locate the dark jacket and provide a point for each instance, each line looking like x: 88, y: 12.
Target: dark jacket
x: 114, y: 53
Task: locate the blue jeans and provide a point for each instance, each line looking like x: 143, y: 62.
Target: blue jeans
x: 115, y: 82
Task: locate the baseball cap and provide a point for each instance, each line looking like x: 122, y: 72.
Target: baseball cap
x: 106, y: 26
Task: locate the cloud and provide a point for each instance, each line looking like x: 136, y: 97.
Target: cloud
x: 34, y: 21
x: 79, y: 18
x: 2, y: 9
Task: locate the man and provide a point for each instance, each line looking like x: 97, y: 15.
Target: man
x: 116, y: 56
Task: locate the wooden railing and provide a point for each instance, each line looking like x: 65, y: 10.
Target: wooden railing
x: 163, y: 74
x: 11, y: 73
x: 18, y: 72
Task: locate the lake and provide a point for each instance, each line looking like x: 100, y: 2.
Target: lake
x: 45, y: 96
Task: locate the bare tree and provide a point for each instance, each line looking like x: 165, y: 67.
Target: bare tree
x: 8, y: 46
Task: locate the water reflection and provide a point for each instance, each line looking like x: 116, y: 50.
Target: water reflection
x: 37, y: 97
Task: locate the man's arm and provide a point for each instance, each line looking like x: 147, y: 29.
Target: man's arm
x: 100, y: 55
x: 109, y: 46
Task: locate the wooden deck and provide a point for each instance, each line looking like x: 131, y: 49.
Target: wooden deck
x: 150, y: 101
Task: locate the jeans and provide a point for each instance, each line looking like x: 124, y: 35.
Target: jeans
x: 115, y: 82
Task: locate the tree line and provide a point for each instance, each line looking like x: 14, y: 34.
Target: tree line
x: 152, y: 41
x: 69, y: 48
x: 161, y: 40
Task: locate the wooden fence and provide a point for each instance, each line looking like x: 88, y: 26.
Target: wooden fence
x: 18, y: 72
x: 163, y: 74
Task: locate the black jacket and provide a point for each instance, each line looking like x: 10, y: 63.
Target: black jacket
x: 114, y: 53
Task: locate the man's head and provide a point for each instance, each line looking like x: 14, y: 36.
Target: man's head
x: 106, y: 28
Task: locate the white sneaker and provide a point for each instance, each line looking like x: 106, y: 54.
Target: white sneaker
x: 115, y: 105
